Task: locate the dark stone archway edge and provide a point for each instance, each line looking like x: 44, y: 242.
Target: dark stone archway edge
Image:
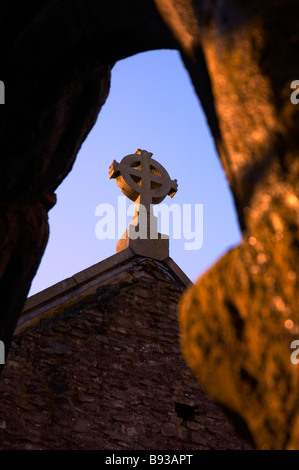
x: 56, y: 68
x: 242, y: 57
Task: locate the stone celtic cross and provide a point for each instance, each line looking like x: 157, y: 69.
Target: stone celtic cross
x: 146, y: 182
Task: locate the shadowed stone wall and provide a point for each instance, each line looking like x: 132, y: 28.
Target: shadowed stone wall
x: 107, y: 373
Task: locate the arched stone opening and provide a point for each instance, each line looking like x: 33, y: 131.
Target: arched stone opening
x: 242, y: 71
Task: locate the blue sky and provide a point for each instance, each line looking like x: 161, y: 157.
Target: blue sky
x: 152, y: 106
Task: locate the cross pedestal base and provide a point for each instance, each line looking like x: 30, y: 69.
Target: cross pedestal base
x: 156, y: 248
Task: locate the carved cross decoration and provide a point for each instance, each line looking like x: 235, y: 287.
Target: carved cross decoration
x: 146, y: 182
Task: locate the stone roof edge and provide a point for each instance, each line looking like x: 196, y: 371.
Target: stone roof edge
x: 55, y: 295
x: 77, y: 280
x: 177, y: 272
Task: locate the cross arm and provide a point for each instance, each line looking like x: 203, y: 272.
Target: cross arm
x: 114, y: 169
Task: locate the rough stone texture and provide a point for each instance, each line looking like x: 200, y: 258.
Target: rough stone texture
x: 23, y: 237
x: 242, y: 58
x: 239, y: 320
x: 107, y: 373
